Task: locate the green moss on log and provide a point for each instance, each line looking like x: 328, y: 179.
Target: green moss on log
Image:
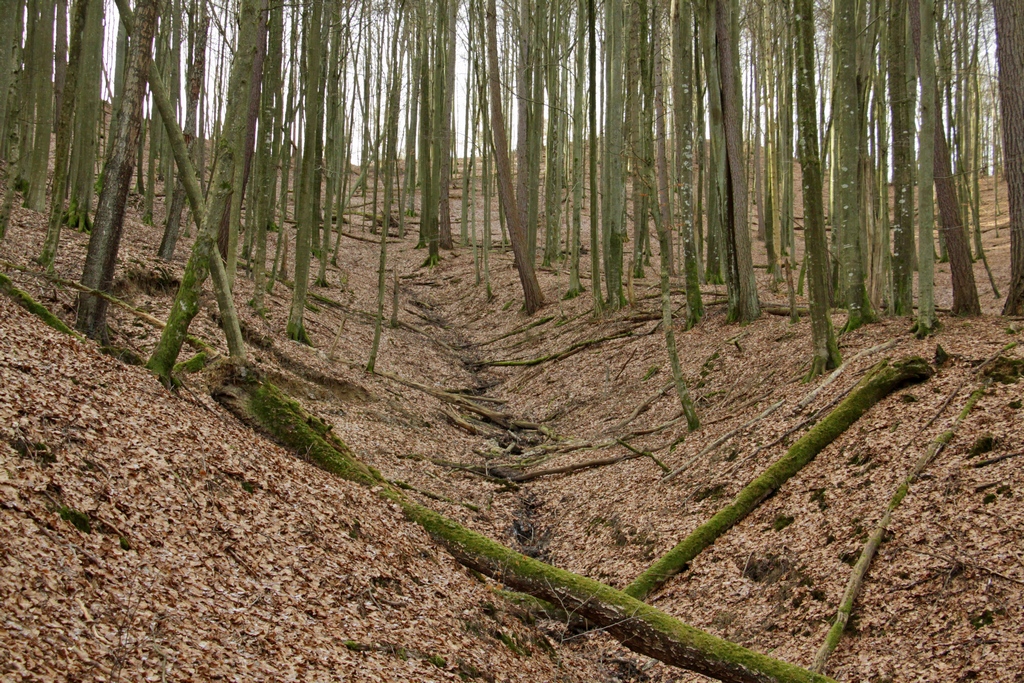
x: 192, y: 365
x: 881, y: 381
x: 640, y: 627
x: 32, y: 306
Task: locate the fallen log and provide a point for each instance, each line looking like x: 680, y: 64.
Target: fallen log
x: 24, y: 300
x: 640, y: 627
x: 558, y: 355
x: 876, y: 385
x: 860, y: 569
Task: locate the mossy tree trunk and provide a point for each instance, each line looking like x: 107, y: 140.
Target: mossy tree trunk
x: 205, y: 258
x: 879, y: 383
x: 825, y: 350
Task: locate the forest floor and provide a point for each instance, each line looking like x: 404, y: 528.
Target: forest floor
x: 215, y: 553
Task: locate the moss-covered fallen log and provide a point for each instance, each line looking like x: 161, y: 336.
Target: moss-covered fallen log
x: 640, y: 627
x: 23, y: 299
x: 860, y: 569
x: 876, y: 385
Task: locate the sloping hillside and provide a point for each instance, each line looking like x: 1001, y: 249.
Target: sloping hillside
x: 242, y: 561
x: 147, y: 535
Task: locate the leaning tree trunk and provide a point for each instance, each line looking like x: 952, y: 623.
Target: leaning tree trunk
x: 1010, y: 53
x: 825, y: 350
x: 205, y: 258
x: 642, y: 628
x: 105, y: 240
x: 879, y: 383
x: 663, y: 221
x: 533, y: 298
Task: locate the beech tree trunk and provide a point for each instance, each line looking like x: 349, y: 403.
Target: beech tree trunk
x: 533, y: 298
x: 1010, y: 53
x: 743, y: 303
x: 105, y: 240
x: 825, y: 350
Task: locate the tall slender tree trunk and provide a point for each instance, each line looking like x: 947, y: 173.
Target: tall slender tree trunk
x: 846, y: 116
x: 924, y: 39
x: 1010, y: 53
x: 196, y: 74
x: 43, y: 85
x: 901, y: 102
x: 533, y: 298
x: 682, y: 119
x: 64, y: 128
x: 306, y: 211
x: 965, y: 291
x: 444, y: 132
x: 825, y: 350
x: 743, y: 303
x: 105, y: 239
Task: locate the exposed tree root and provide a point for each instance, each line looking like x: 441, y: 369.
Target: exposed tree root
x: 879, y: 383
x: 638, y: 626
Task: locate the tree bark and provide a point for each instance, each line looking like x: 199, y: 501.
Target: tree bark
x: 105, y: 240
x: 965, y: 292
x: 743, y: 303
x: 533, y: 298
x: 825, y: 350
x: 64, y: 124
x: 1010, y: 53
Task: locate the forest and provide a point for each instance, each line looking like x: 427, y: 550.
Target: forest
x: 547, y: 340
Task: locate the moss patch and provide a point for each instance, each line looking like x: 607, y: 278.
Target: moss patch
x: 983, y: 444
x: 1005, y: 370
x: 79, y: 519
x: 781, y: 522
